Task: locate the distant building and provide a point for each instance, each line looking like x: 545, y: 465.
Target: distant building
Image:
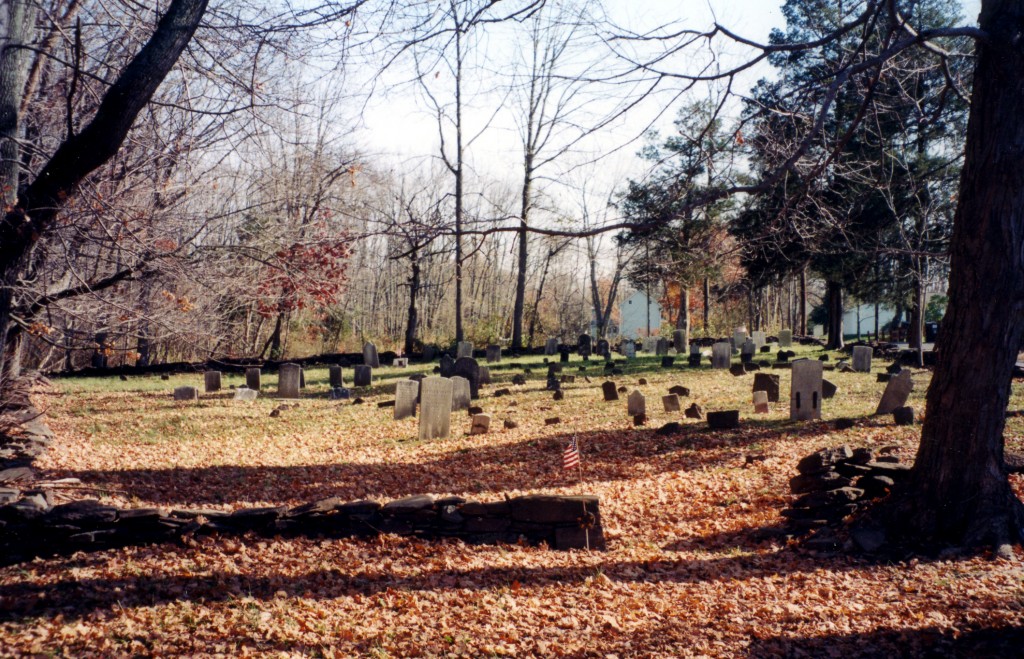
x: 637, y: 313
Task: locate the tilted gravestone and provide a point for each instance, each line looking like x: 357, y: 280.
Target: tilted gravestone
x: 362, y: 375
x: 406, y: 392
x: 460, y: 393
x: 550, y: 347
x: 862, y: 359
x: 464, y: 349
x: 252, y: 378
x: 447, y: 366
x: 493, y: 354
x: 679, y: 342
x: 370, y: 357
x: 435, y: 408
x: 480, y: 425
x: 721, y: 355
x: 785, y: 338
x: 670, y: 403
x: 769, y: 384
x: 211, y: 381
x: 897, y: 390
x: 186, y: 393
x: 761, y: 402
x: 469, y: 369
x: 288, y: 381
x: 334, y: 377
x: 609, y: 391
x: 246, y: 394
x: 805, y: 393
x: 661, y: 348
x: 636, y: 404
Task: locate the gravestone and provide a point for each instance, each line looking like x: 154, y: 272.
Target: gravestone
x: 493, y: 354
x: 485, y: 375
x: 828, y: 390
x: 400, y: 362
x: 186, y: 393
x: 721, y: 355
x: 468, y: 368
x: 679, y: 341
x: 429, y: 353
x: 288, y: 381
x: 724, y: 420
x: 252, y: 378
x: 818, y: 331
x: 759, y: 339
x: 584, y: 345
x: 370, y: 357
x: 805, y: 393
x: 739, y: 335
x: 338, y: 393
x: 670, y: 403
x: 661, y: 348
x: 636, y: 404
x: 767, y: 383
x: 362, y: 376
x: 481, y: 424
x: 609, y: 391
x: 897, y: 390
x: 447, y: 366
x: 302, y: 378
x: 785, y: 338
x: 406, y: 392
x: 667, y: 361
x: 629, y: 350
x: 464, y: 349
x: 761, y: 402
x: 460, y: 393
x: 747, y: 351
x: 246, y: 394
x: 648, y: 344
x: 862, y: 359
x: 550, y: 346
x: 435, y: 408
x: 211, y: 381
x: 334, y: 377
x: 563, y: 356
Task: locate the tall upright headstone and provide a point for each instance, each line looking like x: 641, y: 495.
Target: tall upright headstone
x: 805, y: 392
x: 679, y: 342
x: 288, y: 381
x: 629, y: 350
x: 721, y: 355
x: 818, y: 331
x: 211, y: 381
x: 435, y: 408
x: 460, y: 393
x: 748, y: 351
x: 252, y: 378
x: 469, y: 369
x: 334, y: 376
x: 485, y: 375
x: 661, y: 348
x: 785, y: 338
x: 493, y: 354
x: 636, y: 403
x: 761, y: 402
x: 584, y: 345
x: 603, y: 348
x: 406, y: 392
x: 609, y: 391
x: 862, y: 359
x: 759, y: 338
x: 739, y: 335
x: 464, y: 349
x: 370, y: 357
x: 362, y: 375
x: 551, y: 346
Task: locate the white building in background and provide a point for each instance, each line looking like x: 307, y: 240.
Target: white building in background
x: 637, y: 313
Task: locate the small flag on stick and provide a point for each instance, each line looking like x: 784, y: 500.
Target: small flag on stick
x: 571, y: 455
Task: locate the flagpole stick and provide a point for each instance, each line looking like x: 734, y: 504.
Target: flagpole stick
x: 583, y: 502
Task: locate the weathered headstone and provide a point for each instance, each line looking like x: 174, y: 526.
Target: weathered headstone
x: 629, y: 350
x: 186, y: 393
x: 435, y: 408
x: 818, y: 331
x: 805, y: 391
x: 724, y: 420
x: 468, y: 368
x: 362, y: 375
x: 828, y: 390
x: 464, y: 349
x: 288, y: 381
x: 903, y: 416
x: 460, y: 393
x: 550, y: 346
x: 648, y: 344
x: 661, y: 348
x: 862, y: 359
x: 721, y: 355
x: 563, y: 356
x: 400, y: 362
x: 679, y: 342
x: 897, y: 390
x: 636, y: 403
x: 747, y: 351
x: 759, y: 339
x: 334, y: 377
x: 584, y: 345
x: 739, y: 335
x: 761, y: 402
x: 211, y: 381
x: 252, y: 378
x: 603, y: 348
x: 769, y: 384
x: 493, y: 354
x: 246, y: 394
x: 485, y: 375
x: 447, y: 366
x: 370, y: 357
x: 481, y: 424
x: 406, y: 392
x: 670, y: 403
x: 785, y: 338
x: 339, y: 393
x: 609, y: 391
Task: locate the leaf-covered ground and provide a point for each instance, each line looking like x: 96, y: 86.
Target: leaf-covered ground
x: 690, y: 570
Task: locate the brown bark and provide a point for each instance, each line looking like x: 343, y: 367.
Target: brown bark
x: 835, y: 316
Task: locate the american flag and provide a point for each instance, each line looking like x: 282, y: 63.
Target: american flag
x: 571, y: 455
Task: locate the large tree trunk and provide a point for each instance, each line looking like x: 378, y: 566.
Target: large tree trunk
x: 683, y: 320
x: 958, y: 491
x: 707, y: 306
x: 802, y: 329
x: 835, y: 315
x: 520, y: 303
x: 413, y: 317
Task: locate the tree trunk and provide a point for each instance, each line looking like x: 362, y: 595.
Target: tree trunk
x: 413, y: 316
x: 683, y: 321
x: 958, y: 492
x: 835, y: 315
x: 802, y: 329
x: 707, y: 306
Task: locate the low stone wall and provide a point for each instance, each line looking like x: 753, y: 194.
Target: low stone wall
x: 31, y: 527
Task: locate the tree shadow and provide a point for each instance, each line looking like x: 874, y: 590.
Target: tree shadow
x: 907, y: 642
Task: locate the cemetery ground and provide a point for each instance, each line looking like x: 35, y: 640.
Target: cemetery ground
x: 697, y: 560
